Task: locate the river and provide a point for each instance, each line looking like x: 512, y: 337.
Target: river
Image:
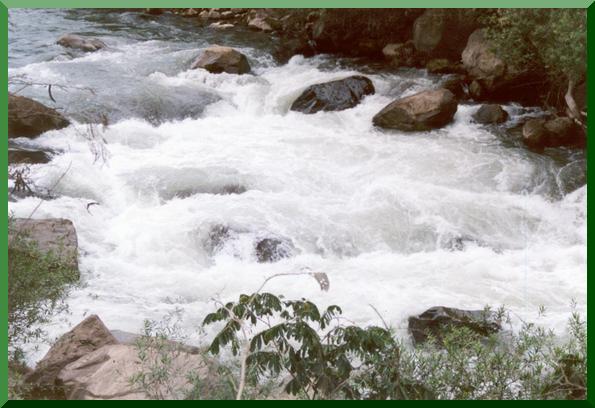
x: 462, y: 216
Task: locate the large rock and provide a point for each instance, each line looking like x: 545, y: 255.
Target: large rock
x: 333, y: 96
x: 54, y: 234
x: 79, y: 42
x: 261, y: 20
x: 423, y: 111
x: 29, y: 118
x: 106, y: 374
x: 443, y: 33
x: 88, y: 336
x: 218, y: 59
x: 494, y: 78
x: 540, y: 133
x: 437, y: 321
x: 490, y: 113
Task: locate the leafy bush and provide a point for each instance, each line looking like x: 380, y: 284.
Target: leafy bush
x: 326, y: 359
x: 38, y: 283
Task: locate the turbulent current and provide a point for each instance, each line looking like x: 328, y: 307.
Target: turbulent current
x: 463, y: 216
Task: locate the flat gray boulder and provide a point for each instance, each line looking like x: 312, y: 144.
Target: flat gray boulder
x: 79, y: 42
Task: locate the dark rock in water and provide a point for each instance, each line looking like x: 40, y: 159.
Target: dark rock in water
x: 29, y: 118
x: 490, y: 113
x: 217, y: 59
x: 420, y: 112
x: 88, y: 336
x: 272, y: 250
x: 79, y: 42
x: 26, y: 156
x: 232, y: 189
x: 459, y: 243
x: 541, y: 133
x: 437, y: 321
x: 334, y: 95
x: 572, y: 176
x: 217, y: 237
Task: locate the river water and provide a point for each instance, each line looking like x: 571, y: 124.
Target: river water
x: 463, y: 216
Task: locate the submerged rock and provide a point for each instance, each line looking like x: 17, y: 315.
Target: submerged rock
x: 272, y: 250
x: 86, y: 337
x: 18, y: 155
x: 28, y: 118
x: 334, y: 95
x: 217, y: 59
x: 437, y: 321
x: 79, y: 42
x: 420, y: 112
x: 491, y: 113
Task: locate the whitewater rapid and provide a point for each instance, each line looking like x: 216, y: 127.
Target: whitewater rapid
x: 374, y: 210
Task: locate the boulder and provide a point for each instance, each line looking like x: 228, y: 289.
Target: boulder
x: 272, y: 250
x: 80, y: 42
x: 54, y: 234
x: 437, y: 321
x: 494, y: 78
x: 420, y: 112
x: 260, y: 20
x: 540, y: 133
x: 218, y: 59
x: 443, y: 33
x: 28, y: 118
x: 490, y: 113
x: 221, y: 26
x: 107, y: 373
x: 334, y: 95
x: 86, y: 337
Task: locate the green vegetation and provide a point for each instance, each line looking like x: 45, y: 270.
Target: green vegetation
x: 38, y: 283
x: 553, y: 41
x: 326, y: 359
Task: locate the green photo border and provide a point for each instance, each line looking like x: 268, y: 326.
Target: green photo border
x: 7, y: 4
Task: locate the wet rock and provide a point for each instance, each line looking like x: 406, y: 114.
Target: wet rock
x: 437, y: 321
x: 54, y: 234
x: 28, y: 118
x: 217, y: 59
x: 456, y: 84
x: 490, y: 113
x: 106, y: 373
x: 334, y: 95
x: 86, y: 337
x: 272, y: 250
x: 18, y: 155
x: 443, y: 33
x: 217, y: 236
x: 420, y: 112
x: 80, y: 42
x: 572, y: 176
x: 221, y: 26
x: 541, y: 133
